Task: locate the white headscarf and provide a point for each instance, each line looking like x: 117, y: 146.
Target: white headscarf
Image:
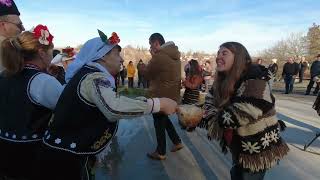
x: 57, y: 60
x: 92, y: 50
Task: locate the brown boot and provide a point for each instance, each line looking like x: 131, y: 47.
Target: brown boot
x: 177, y: 147
x: 156, y: 156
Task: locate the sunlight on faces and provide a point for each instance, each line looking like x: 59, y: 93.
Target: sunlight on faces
x: 112, y: 61
x: 224, y: 60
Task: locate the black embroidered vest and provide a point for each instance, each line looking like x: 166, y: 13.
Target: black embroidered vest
x: 22, y: 119
x: 78, y: 126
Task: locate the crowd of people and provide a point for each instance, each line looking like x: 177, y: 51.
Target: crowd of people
x: 294, y: 71
x: 55, y: 119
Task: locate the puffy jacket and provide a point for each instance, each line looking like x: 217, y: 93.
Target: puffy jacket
x: 164, y: 73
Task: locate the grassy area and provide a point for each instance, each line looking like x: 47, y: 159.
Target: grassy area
x: 131, y: 92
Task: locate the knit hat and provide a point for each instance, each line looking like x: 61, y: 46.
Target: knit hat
x: 8, y: 7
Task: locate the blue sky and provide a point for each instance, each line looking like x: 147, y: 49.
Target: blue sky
x: 198, y: 25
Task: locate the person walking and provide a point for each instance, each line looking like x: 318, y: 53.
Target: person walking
x: 314, y: 73
x: 164, y: 75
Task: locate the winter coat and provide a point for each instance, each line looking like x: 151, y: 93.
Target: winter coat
x: 131, y: 70
x: 251, y: 118
x: 164, y: 73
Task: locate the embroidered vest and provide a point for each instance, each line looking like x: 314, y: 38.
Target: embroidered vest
x: 22, y: 119
x: 78, y: 126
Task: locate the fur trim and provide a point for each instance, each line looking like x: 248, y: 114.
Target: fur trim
x: 214, y: 130
x: 169, y: 43
x: 264, y: 160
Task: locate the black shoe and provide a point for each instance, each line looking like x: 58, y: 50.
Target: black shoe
x: 306, y: 93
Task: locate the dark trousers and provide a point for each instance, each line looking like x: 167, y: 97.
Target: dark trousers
x: 161, y: 124
x: 122, y: 77
x: 310, y: 85
x: 301, y: 75
x: 289, y: 80
x: 59, y: 164
x: 238, y: 173
x: 130, y: 82
x: 142, y: 81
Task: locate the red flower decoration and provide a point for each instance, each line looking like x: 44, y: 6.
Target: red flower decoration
x: 114, y: 39
x: 42, y: 34
x: 69, y: 51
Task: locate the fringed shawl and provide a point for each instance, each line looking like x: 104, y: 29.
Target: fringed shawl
x: 252, y: 116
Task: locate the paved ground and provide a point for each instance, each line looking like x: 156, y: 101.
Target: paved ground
x: 201, y: 159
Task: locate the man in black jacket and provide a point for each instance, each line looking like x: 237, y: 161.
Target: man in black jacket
x: 289, y: 73
x: 314, y: 72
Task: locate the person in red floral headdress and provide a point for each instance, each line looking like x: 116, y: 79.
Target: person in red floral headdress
x: 69, y: 55
x: 28, y: 97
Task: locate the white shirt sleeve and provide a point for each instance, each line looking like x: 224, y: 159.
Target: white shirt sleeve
x: 97, y: 89
x: 45, y: 90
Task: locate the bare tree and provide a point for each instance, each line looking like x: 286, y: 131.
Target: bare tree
x: 293, y: 46
x: 313, y: 41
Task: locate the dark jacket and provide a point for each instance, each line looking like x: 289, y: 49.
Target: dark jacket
x: 290, y: 69
x: 315, y: 68
x: 164, y: 73
x: 141, y: 67
x: 273, y: 68
x: 303, y: 66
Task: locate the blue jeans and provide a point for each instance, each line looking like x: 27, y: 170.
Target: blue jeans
x: 238, y: 173
x: 289, y: 80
